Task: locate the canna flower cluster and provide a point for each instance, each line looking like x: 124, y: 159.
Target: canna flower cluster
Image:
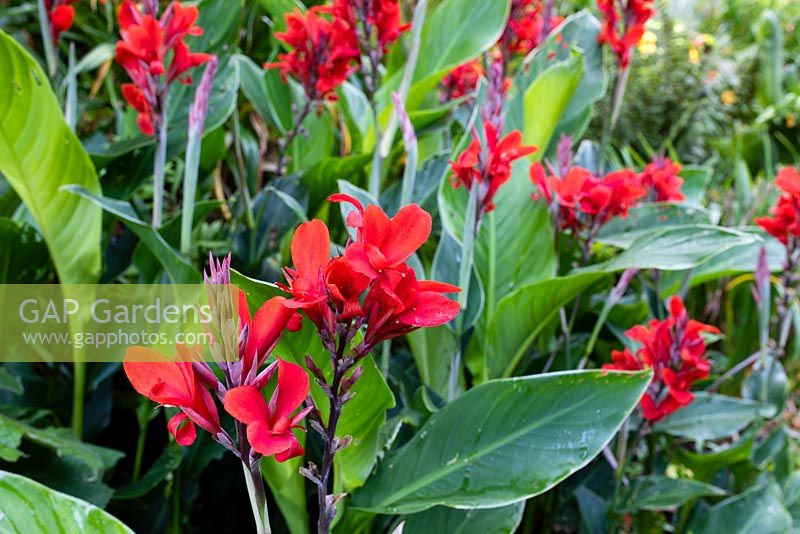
x: 462, y: 81
x: 327, y: 43
x: 623, y: 26
x: 147, y: 43
x: 675, y: 350
x: 324, y: 52
x: 784, y: 223
x: 581, y: 202
x: 661, y: 177
x: 189, y: 383
x: 370, y: 284
x: 61, y: 15
x: 491, y: 168
x: 529, y: 23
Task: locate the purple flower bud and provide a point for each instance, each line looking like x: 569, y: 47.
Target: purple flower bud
x: 564, y: 154
x: 219, y: 271
x: 199, y: 108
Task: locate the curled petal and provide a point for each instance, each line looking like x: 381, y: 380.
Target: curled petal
x: 182, y: 429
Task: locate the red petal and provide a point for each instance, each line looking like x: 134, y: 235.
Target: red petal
x: 184, y: 434
x: 431, y: 309
x: 267, y: 443
x: 159, y: 379
x: 342, y: 197
x: 408, y: 231
x: 295, y: 450
x: 246, y: 404
x: 292, y: 389
x: 267, y: 327
x: 311, y: 248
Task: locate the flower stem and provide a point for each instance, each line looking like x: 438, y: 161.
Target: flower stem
x: 159, y: 162
x: 78, y: 387
x: 47, y: 38
x: 620, y: 83
x: 258, y: 500
x: 288, y: 139
x: 137, y: 459
x: 471, y: 225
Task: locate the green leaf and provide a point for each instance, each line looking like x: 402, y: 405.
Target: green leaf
x: 29, y: 507
x: 457, y: 31
x: 757, y: 510
x: 705, y: 466
x: 677, y: 248
x: 276, y: 9
x: 271, y: 100
x: 164, y: 466
x: 658, y: 492
x: 712, y: 416
x: 503, y: 442
x: 503, y: 520
x: 523, y: 315
x: 767, y: 377
x: 581, y: 31
x: 23, y: 254
x: 38, y: 155
x: 431, y: 348
x: 9, y: 382
x: 546, y: 100
x: 645, y: 218
x: 176, y: 266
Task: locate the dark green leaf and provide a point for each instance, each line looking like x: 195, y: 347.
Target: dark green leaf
x: 503, y: 442
x: 503, y: 520
x: 759, y: 510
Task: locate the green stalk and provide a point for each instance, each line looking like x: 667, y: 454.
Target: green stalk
x: 492, y: 267
x: 159, y: 162
x: 620, y: 84
x: 189, y: 189
x: 375, y: 172
x: 137, y: 459
x: 78, y: 389
x: 465, y: 274
x: 258, y: 501
x: 244, y: 188
x: 71, y: 100
x: 47, y: 38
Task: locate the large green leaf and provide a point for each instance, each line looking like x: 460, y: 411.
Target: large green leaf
x: 29, y: 507
x: 503, y: 442
x: 455, y: 31
x: 677, y: 248
x: 658, y: 492
x: 522, y: 316
x: 546, y: 100
x: 502, y: 520
x: 759, y: 510
x: 648, y: 218
x: 39, y: 154
x: 712, y: 416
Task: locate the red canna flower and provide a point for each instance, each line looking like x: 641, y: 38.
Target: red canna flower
x: 784, y: 224
x: 61, y: 15
x: 623, y: 25
x: 382, y: 243
x: 490, y: 169
x: 174, y: 383
x: 145, y: 45
x: 269, y: 426
x: 661, y: 177
x: 581, y: 202
x: 675, y: 350
x: 462, y: 81
x: 528, y: 26
x: 370, y: 283
x: 324, y: 52
x: 376, y: 20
